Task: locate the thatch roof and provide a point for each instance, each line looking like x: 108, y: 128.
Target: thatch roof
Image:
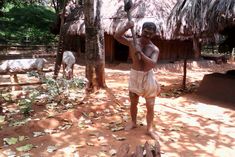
x: 203, y: 18
x: 113, y: 16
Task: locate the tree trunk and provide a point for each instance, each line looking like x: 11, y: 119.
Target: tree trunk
x: 58, y: 5
x: 94, y: 50
x: 60, y: 50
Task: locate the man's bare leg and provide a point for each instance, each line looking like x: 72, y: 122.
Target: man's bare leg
x: 134, y: 98
x: 149, y: 117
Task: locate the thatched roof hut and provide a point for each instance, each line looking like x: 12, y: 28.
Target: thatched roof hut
x: 202, y: 18
x: 113, y: 16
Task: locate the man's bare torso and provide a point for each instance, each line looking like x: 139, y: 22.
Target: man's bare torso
x: 148, y: 50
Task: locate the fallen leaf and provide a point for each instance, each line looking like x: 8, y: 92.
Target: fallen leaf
x: 174, y: 128
x: 120, y: 138
x: 37, y: 134
x: 19, y: 123
x: 85, y: 114
x: 113, y: 152
x: 25, y: 155
x: 91, y: 114
x: 25, y: 148
x: 101, y: 138
x: 88, y: 122
x: 68, y: 150
x: 65, y: 126
x: 196, y: 134
x: 90, y: 144
x: 2, y: 119
x: 11, y: 140
x: 51, y: 131
x: 76, y: 154
x: 94, y: 134
x: 51, y: 149
x: 68, y: 106
x: 82, y: 126
x: 164, y: 94
x: 22, y: 138
x: 104, y: 144
x: 80, y: 146
x: 51, y: 105
x: 101, y: 154
x: 9, y: 152
x: 117, y: 129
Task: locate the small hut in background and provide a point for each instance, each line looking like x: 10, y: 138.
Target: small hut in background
x: 202, y: 20
x: 113, y: 16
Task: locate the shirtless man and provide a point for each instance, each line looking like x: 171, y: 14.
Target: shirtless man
x: 142, y: 81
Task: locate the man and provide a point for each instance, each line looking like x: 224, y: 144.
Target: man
x: 142, y: 82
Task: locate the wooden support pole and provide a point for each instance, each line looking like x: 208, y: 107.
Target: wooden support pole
x: 23, y: 72
x: 184, y: 74
x: 60, y: 44
x: 20, y: 84
x: 25, y: 56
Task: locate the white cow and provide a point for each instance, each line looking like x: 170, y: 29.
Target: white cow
x: 22, y: 65
x: 68, y: 62
x: 18, y: 65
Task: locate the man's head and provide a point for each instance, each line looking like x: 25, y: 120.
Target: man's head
x: 148, y: 29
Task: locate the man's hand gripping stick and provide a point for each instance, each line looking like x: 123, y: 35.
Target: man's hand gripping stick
x: 127, y: 6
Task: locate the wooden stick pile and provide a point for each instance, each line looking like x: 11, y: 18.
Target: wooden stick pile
x: 147, y: 150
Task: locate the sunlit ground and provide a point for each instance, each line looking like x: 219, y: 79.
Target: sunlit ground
x: 188, y: 125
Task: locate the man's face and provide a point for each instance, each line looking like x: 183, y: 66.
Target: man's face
x: 148, y: 33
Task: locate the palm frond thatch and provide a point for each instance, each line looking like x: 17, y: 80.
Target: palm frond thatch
x: 201, y: 17
x: 113, y: 16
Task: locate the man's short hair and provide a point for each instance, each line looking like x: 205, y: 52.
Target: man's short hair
x: 149, y: 25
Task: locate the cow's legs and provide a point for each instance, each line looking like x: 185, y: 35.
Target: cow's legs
x: 14, y: 80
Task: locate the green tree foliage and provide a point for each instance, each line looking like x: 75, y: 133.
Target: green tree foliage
x: 29, y: 21
x: 3, y: 3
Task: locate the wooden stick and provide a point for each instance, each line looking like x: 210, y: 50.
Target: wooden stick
x: 127, y: 9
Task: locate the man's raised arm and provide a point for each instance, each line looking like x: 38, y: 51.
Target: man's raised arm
x: 119, y: 35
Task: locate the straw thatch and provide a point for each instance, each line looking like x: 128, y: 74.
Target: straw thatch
x: 113, y: 16
x: 202, y: 18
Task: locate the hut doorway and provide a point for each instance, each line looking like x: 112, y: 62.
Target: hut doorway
x: 121, y: 53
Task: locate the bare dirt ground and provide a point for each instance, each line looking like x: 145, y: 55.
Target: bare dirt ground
x: 189, y: 125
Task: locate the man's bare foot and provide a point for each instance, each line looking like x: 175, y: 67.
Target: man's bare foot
x: 153, y: 135
x: 130, y: 126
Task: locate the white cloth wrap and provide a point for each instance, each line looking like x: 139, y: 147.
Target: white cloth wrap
x: 143, y: 83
